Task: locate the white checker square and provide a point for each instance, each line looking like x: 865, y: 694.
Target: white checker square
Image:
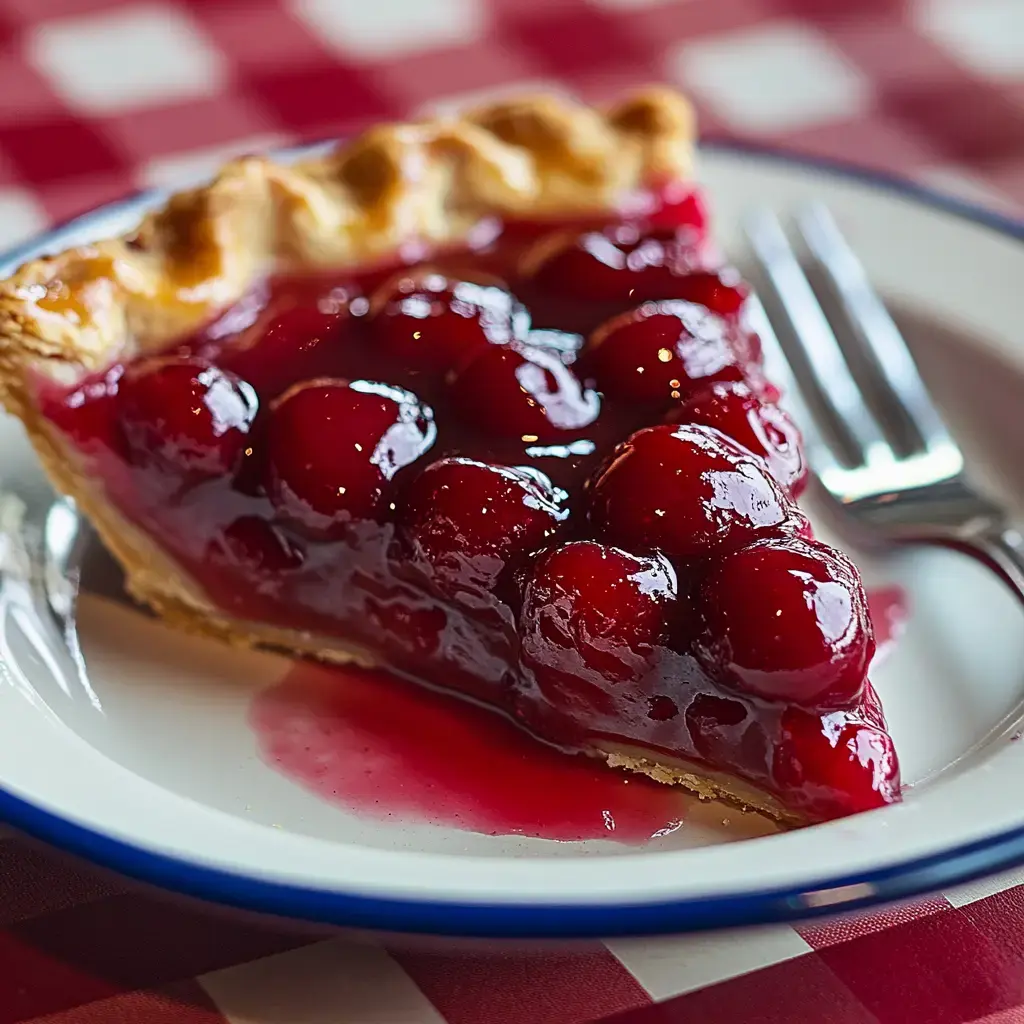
x: 777, y: 77
x: 376, y: 29
x: 125, y: 59
x: 986, y: 35
x: 979, y: 889
x: 21, y: 216
x: 325, y: 983
x: 670, y: 967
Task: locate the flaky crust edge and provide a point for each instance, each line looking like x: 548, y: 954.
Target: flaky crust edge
x: 426, y: 183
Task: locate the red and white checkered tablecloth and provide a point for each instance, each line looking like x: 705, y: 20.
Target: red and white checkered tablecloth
x: 98, y: 98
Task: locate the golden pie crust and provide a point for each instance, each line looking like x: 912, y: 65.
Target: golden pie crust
x: 398, y: 188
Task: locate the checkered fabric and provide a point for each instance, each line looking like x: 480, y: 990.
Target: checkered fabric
x: 81, y: 947
x: 99, y: 98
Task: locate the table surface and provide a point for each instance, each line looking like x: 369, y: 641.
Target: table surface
x: 98, y: 98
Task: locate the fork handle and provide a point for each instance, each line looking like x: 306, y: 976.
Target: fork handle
x: 999, y: 546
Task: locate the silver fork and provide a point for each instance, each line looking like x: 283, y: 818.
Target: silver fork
x: 874, y: 438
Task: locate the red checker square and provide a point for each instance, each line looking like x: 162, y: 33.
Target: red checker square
x: 939, y: 969
x: 421, y: 78
x: 891, y: 53
x: 966, y: 120
x: 133, y: 942
x: 34, y: 982
x: 56, y: 149
x: 1000, y: 918
x: 527, y: 8
x: 546, y: 988
x: 70, y: 197
x: 663, y: 25
x: 873, y: 142
x: 800, y: 991
x: 31, y: 11
x: 261, y: 35
x: 193, y: 124
x: 568, y: 42
x: 25, y: 95
x: 312, y: 98
x: 35, y: 880
x: 827, y: 11
x: 183, y: 1002
x: 830, y: 931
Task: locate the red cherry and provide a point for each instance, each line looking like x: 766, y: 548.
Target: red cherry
x: 661, y: 351
x: 787, y: 619
x: 298, y: 342
x: 759, y: 426
x: 523, y: 391
x: 334, y: 446
x: 432, y: 321
x: 839, y: 764
x: 593, y: 619
x: 688, y: 491
x: 679, y: 205
x: 722, y: 291
x: 620, y: 263
x: 185, y: 416
x: 625, y: 264
x: 255, y: 546
x: 467, y: 521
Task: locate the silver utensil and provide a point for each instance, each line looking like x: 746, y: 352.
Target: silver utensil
x: 874, y: 438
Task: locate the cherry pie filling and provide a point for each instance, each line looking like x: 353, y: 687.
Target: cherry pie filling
x: 545, y: 472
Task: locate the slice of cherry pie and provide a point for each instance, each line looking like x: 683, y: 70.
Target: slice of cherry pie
x: 473, y: 400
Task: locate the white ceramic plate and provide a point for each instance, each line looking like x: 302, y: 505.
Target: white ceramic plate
x: 135, y: 750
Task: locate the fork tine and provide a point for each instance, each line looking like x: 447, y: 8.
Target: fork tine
x: 820, y: 367
x: 901, y: 394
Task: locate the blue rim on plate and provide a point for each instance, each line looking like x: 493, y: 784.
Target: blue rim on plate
x: 524, y: 920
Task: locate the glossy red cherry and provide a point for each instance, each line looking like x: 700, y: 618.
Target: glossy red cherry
x: 629, y: 264
x: 661, y: 351
x: 689, y: 491
x: 523, y: 391
x: 787, y: 619
x: 594, y: 617
x: 682, y: 207
x: 255, y: 546
x: 466, y: 522
x: 837, y: 764
x: 620, y: 263
x: 761, y: 427
x: 296, y: 342
x: 432, y: 321
x: 334, y: 446
x: 185, y: 416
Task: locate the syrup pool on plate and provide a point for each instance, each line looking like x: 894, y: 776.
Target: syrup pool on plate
x: 385, y: 748
x: 389, y: 749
